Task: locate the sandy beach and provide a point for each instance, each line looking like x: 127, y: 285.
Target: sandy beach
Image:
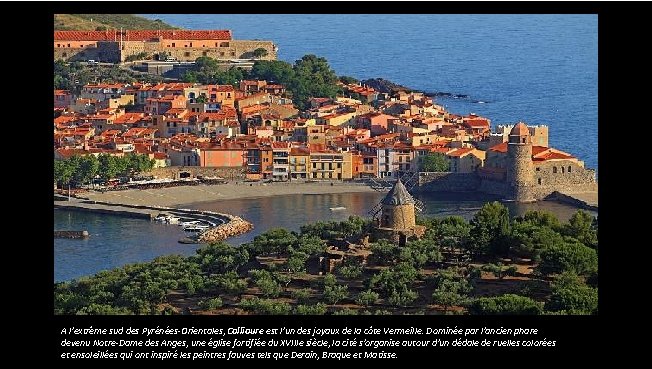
x: 186, y: 195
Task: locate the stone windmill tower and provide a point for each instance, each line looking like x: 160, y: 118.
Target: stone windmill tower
x: 395, y: 215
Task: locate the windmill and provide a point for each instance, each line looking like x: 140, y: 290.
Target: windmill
x: 397, y: 208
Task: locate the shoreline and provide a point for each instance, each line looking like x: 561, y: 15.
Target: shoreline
x: 185, y: 196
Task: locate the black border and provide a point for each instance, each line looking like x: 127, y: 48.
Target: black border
x: 584, y: 335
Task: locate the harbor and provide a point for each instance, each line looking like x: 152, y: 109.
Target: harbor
x: 200, y: 226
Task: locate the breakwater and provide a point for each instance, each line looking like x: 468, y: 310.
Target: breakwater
x: 224, y: 225
x: 71, y: 234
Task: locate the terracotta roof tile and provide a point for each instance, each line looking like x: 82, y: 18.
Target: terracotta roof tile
x: 142, y: 35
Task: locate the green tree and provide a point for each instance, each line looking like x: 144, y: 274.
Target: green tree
x: 333, y: 294
x: 402, y: 297
x: 528, y: 239
x: 570, y: 256
x: 384, y: 252
x: 490, y: 230
x: 265, y: 306
x: 221, y: 258
x: 499, y: 270
x: 211, y: 304
x: 260, y: 53
x: 276, y: 240
x: 570, y: 295
x: 272, y: 70
x: 88, y: 168
x: 302, y: 296
x: 329, y: 280
x: 581, y: 227
x: 508, y: 304
x: 351, y: 268
x: 63, y: 171
x: 450, y: 293
x: 366, y: 298
x: 108, y: 166
x: 435, y: 162
x: 296, y: 263
x: 138, y: 163
x: 348, y: 80
x: 317, y: 309
x: 541, y: 219
x: 313, y: 77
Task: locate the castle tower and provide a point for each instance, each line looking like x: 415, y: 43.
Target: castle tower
x: 397, y: 209
x: 519, y: 162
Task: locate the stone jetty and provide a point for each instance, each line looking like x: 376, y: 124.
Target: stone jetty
x: 233, y: 227
x: 71, y: 234
x: 224, y: 225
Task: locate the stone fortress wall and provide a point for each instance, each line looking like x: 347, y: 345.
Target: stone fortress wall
x: 116, y: 50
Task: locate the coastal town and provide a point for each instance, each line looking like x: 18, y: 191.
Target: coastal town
x: 252, y: 129
x: 212, y: 114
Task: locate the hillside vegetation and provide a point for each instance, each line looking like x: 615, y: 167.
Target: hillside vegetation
x: 100, y: 22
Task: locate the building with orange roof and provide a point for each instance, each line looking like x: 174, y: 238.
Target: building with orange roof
x: 299, y: 162
x: 114, y: 46
x: 330, y: 165
x: 466, y: 160
x: 161, y: 105
x: 521, y: 171
x: 62, y: 98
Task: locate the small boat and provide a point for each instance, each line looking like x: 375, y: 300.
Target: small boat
x: 336, y: 208
x: 172, y: 219
x: 189, y: 223
x: 195, y: 228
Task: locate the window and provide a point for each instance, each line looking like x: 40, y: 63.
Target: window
x: 539, y: 180
x: 173, y: 44
x: 562, y: 169
x: 314, y: 175
x: 191, y: 44
x: 569, y: 169
x: 339, y: 165
x: 314, y: 165
x: 187, y: 53
x: 538, y: 169
x: 204, y: 53
x: 554, y: 169
x: 330, y: 175
x: 224, y: 44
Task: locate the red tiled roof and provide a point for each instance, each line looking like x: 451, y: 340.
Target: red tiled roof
x: 142, y: 35
x: 501, y: 147
x: 222, y: 88
x: 460, y: 152
x: 550, y: 154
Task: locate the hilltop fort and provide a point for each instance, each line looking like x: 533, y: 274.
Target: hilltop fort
x: 114, y: 46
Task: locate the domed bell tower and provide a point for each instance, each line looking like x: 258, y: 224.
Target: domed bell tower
x: 520, y: 172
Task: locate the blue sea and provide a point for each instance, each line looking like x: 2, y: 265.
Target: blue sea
x: 541, y: 69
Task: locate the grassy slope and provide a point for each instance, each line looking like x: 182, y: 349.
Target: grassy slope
x: 83, y: 22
